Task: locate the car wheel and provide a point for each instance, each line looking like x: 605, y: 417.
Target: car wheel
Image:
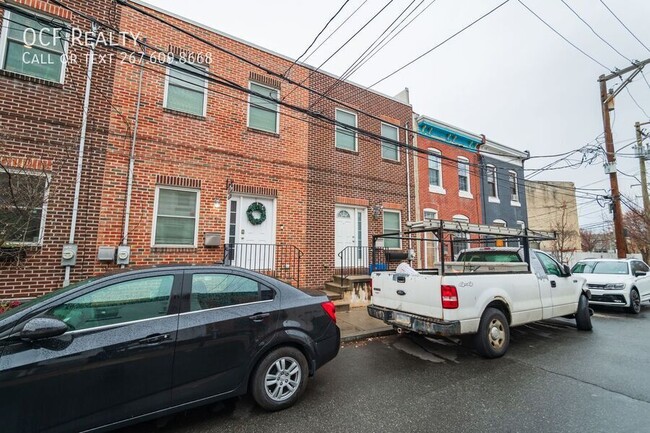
x: 493, y: 336
x: 280, y: 378
x: 583, y: 316
x: 635, y: 302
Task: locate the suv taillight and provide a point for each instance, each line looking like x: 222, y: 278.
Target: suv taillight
x: 449, y: 297
x: 330, y: 309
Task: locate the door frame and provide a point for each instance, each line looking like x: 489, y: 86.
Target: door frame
x: 364, y: 227
x: 238, y: 197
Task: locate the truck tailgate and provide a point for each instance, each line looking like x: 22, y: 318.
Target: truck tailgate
x: 415, y: 294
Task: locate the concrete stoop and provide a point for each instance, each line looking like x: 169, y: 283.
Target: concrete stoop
x: 350, y: 291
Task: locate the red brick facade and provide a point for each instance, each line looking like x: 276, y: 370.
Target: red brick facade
x: 218, y: 155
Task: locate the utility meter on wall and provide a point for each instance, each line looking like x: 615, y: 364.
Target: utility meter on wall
x: 123, y: 255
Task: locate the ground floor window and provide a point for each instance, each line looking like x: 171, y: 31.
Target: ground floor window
x: 392, y: 224
x: 176, y: 217
x: 23, y: 202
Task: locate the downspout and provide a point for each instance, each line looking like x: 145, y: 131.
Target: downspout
x: 82, y: 144
x: 408, y: 187
x: 482, y: 180
x: 129, y: 186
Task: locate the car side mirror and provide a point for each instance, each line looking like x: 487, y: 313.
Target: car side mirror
x: 42, y: 327
x: 566, y: 270
x: 640, y: 274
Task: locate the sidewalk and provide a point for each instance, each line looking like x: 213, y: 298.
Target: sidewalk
x: 356, y: 324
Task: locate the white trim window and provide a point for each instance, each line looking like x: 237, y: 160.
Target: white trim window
x: 435, y: 171
x: 23, y: 205
x: 464, y: 187
x: 499, y: 242
x: 263, y: 114
x: 389, y: 150
x: 392, y: 224
x: 32, y: 47
x: 185, y: 90
x: 514, y: 188
x: 345, y: 138
x: 460, y: 239
x: 430, y: 242
x: 176, y: 217
x: 492, y: 186
x: 522, y: 226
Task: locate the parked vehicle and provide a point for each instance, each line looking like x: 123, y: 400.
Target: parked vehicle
x: 483, y: 298
x: 616, y: 282
x: 140, y: 344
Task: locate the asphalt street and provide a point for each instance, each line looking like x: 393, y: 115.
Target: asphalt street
x: 553, y: 379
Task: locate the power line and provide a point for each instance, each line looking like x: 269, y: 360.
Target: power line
x: 562, y: 36
x: 626, y: 27
x: 438, y: 45
x: 594, y: 31
x: 637, y: 103
x: 316, y: 38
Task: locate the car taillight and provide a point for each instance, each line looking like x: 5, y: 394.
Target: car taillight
x: 449, y: 297
x: 330, y: 309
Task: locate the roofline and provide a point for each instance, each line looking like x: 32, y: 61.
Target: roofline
x: 461, y: 131
x: 266, y: 50
x: 504, y: 150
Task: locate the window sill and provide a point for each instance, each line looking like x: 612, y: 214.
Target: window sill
x: 183, y: 114
x: 31, y: 79
x: 465, y: 194
x: 351, y: 152
x: 173, y: 249
x: 437, y: 189
x: 391, y: 161
x: 263, y: 132
x: 515, y: 203
x: 494, y: 200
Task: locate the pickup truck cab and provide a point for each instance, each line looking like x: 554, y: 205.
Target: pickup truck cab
x: 483, y: 293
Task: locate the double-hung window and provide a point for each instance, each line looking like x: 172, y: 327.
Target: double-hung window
x: 514, y: 187
x: 435, y: 171
x: 23, y: 203
x: 392, y: 224
x: 491, y: 172
x: 346, y: 138
x: 263, y: 111
x: 176, y: 217
x: 32, y: 46
x: 463, y: 175
x: 187, y: 88
x: 389, y: 149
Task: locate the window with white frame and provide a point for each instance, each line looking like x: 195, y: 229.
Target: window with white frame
x: 176, y: 217
x: 430, y: 214
x: 186, y: 88
x: 463, y: 175
x: 491, y: 172
x: 23, y: 204
x: 522, y: 226
x: 389, y: 150
x: 263, y: 113
x: 460, y: 239
x: 32, y: 46
x: 430, y: 241
x: 392, y: 224
x: 499, y: 242
x: 435, y: 172
x: 345, y: 138
x: 514, y: 187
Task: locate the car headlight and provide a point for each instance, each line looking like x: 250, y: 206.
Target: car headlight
x: 614, y: 286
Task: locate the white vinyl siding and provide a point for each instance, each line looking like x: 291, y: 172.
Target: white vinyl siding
x: 346, y: 138
x: 263, y: 114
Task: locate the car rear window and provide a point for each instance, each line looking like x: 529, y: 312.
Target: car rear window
x: 490, y: 256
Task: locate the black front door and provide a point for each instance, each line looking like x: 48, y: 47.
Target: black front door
x: 114, y: 363
x: 224, y: 319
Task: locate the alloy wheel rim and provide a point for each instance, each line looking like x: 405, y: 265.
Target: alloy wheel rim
x: 496, y: 334
x: 636, y: 301
x: 282, y: 379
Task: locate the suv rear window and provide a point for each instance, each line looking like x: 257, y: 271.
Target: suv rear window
x: 490, y: 256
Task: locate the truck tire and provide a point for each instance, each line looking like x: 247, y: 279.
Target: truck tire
x: 493, y: 336
x: 280, y: 379
x: 583, y: 315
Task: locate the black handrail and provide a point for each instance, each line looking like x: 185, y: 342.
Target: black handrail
x: 355, y: 260
x: 276, y: 260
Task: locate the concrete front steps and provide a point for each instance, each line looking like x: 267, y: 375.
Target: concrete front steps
x: 350, y: 291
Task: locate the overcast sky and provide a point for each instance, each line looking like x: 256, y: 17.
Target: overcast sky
x: 508, y: 77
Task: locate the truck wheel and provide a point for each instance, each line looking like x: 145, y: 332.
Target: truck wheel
x: 635, y: 302
x: 583, y: 316
x: 493, y: 336
x: 280, y: 379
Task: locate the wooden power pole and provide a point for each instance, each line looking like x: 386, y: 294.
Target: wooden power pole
x: 644, y: 181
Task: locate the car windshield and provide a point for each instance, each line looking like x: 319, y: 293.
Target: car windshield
x: 614, y: 268
x: 26, y: 304
x: 490, y: 256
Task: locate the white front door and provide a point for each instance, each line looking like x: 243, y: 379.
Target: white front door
x: 351, y: 230
x: 253, y: 240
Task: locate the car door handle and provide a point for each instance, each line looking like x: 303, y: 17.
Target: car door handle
x: 553, y: 284
x: 401, y: 279
x: 154, y: 339
x: 259, y: 317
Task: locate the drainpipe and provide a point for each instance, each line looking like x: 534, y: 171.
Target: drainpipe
x: 129, y: 186
x: 69, y: 251
x: 408, y: 188
x: 482, y: 180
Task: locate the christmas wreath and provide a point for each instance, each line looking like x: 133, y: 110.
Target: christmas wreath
x: 259, y: 208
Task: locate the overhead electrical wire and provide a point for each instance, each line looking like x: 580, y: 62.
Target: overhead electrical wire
x: 623, y: 24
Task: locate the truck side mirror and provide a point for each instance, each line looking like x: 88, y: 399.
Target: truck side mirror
x: 566, y: 270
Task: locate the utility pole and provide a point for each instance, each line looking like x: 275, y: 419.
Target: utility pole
x: 605, y: 100
x: 644, y: 182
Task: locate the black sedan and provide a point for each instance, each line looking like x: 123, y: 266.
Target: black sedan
x: 136, y: 345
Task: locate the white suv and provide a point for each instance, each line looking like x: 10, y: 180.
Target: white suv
x: 616, y: 282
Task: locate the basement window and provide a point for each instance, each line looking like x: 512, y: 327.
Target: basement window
x: 34, y: 47
x: 23, y: 203
x: 176, y: 213
x: 186, y: 88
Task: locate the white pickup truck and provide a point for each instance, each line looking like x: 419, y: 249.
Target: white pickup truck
x: 484, y: 298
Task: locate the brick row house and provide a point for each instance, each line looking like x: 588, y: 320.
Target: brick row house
x: 182, y: 166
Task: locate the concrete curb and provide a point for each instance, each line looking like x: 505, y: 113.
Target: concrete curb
x: 362, y: 335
